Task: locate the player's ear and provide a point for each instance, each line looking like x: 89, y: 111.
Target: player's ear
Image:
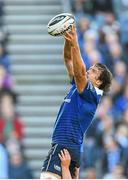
x: 98, y: 82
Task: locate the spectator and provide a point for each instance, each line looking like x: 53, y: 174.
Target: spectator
x: 122, y: 136
x: 105, y: 130
x: 89, y: 156
x: 120, y: 71
x: 126, y: 166
x: 10, y: 123
x: 90, y: 42
x: 90, y: 173
x: 120, y: 7
x: 117, y: 173
x: 121, y: 103
x: 83, y: 25
x: 91, y: 36
x: 102, y: 6
x: 3, y: 163
x: 111, y: 23
x: 105, y: 108
x: 109, y: 39
x: 112, y: 156
x: 115, y: 51
x: 5, y: 78
x: 12, y: 145
x: 88, y: 48
x: 18, y: 168
x: 118, y: 81
x: 4, y: 37
x: 94, y: 57
x: 125, y: 52
x: 4, y: 59
x: 80, y: 7
x: 124, y: 119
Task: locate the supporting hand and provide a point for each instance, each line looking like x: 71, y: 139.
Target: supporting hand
x: 65, y: 158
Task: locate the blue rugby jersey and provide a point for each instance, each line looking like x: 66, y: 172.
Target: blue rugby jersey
x: 75, y: 115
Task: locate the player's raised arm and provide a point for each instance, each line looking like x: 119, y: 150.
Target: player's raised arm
x: 79, y: 68
x: 68, y: 59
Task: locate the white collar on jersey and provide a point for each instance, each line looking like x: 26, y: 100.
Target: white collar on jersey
x: 98, y: 91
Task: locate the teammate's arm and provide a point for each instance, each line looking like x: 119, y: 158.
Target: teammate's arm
x: 68, y: 59
x: 65, y: 163
x: 79, y: 68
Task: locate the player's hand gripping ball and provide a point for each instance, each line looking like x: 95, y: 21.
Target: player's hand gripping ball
x: 60, y: 23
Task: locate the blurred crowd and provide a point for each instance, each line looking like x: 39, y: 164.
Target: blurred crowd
x: 12, y: 160
x: 103, y: 37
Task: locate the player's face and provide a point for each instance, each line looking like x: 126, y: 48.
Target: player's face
x: 93, y: 74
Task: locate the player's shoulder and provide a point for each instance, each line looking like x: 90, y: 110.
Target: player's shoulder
x: 93, y: 88
x: 91, y: 93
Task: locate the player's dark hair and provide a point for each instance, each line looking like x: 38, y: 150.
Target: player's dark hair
x: 105, y: 77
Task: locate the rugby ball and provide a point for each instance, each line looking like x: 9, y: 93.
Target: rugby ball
x: 60, y: 23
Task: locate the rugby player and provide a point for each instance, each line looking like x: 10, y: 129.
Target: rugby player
x: 78, y: 108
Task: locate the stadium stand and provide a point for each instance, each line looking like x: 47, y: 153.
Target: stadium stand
x: 38, y: 72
